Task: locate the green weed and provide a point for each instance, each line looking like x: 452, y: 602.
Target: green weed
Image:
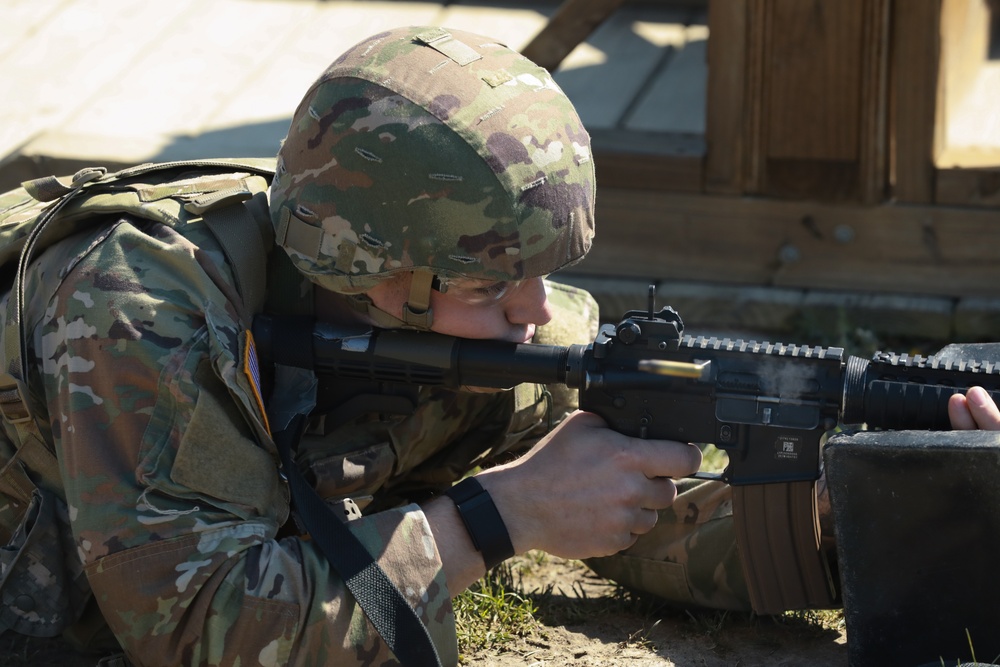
x: 493, y: 612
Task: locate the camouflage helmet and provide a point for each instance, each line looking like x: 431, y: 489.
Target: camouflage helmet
x: 433, y: 150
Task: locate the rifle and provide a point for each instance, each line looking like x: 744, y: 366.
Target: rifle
x: 767, y: 405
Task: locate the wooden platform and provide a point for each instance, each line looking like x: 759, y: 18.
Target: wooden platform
x: 125, y: 82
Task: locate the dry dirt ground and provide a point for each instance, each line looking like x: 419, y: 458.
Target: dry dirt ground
x: 584, y: 621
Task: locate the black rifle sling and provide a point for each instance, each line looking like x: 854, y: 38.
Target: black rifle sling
x: 384, y: 605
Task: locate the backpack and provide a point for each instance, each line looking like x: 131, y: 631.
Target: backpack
x: 42, y: 588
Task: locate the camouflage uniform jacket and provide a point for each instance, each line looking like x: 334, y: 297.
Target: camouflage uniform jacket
x: 171, y: 481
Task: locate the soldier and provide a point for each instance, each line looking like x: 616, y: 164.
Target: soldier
x: 430, y: 179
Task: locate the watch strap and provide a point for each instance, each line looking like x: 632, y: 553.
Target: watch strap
x: 483, y: 521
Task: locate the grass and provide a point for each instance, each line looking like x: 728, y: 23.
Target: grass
x: 493, y: 612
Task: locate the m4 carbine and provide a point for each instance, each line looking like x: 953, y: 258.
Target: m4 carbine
x: 767, y: 405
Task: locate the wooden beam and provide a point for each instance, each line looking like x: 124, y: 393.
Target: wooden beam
x: 916, y: 46
x: 968, y: 187
x: 572, y: 23
x: 726, y: 103
x: 873, y: 172
x: 649, y: 160
x: 900, y: 249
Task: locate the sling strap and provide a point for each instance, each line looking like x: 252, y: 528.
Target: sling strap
x: 384, y: 605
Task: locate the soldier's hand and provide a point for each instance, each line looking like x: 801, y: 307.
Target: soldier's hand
x: 974, y: 410
x: 586, y: 490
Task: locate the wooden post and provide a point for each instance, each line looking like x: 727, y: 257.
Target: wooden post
x: 726, y: 103
x: 916, y: 46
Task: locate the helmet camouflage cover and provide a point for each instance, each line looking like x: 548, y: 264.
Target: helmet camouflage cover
x: 422, y: 148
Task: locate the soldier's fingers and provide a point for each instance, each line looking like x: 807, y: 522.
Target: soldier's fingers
x: 983, y: 409
x: 659, y: 493
x: 645, y: 521
x: 958, y: 412
x: 668, y: 458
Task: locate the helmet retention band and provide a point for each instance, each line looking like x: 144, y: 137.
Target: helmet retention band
x: 417, y: 310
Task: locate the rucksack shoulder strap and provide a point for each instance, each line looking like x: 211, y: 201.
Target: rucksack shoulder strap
x: 246, y: 235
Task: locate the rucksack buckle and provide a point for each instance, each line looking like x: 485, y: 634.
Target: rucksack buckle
x: 51, y: 188
x: 12, y: 405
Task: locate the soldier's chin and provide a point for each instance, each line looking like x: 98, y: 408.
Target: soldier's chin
x: 481, y: 390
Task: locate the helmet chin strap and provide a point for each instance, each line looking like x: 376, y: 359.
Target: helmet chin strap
x: 417, y: 312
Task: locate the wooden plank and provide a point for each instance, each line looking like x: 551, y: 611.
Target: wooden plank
x: 511, y: 23
x: 835, y: 317
x: 572, y: 24
x: 177, y: 92
x: 814, y: 317
x: 874, y: 149
x: 636, y: 171
x: 674, y: 101
x: 64, y: 61
x: 725, y: 96
x: 968, y: 187
x: 903, y: 249
x: 913, y: 99
x: 755, y: 127
x: 303, y: 54
x: 23, y: 21
x: 813, y: 66
x: 604, y: 75
x: 702, y: 306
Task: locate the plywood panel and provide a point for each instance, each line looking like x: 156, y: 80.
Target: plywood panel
x: 813, y: 67
x: 816, y: 98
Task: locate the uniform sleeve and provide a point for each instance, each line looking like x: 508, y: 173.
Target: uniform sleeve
x: 171, y: 479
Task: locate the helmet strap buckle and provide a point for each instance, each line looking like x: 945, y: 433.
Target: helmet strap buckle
x: 417, y: 312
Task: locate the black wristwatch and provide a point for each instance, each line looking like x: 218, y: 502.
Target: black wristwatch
x: 483, y: 521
